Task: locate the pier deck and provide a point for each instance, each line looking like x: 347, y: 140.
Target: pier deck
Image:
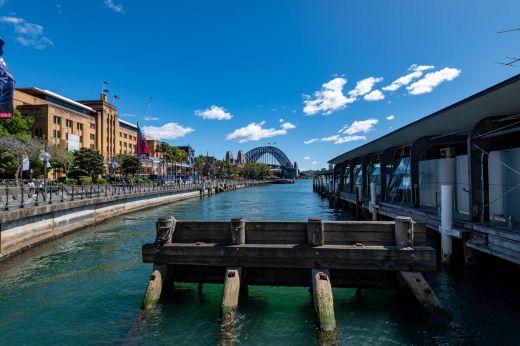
x: 317, y: 254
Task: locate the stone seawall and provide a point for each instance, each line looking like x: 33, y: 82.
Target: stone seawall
x: 21, y: 229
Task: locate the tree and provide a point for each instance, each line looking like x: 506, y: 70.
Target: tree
x: 163, y: 148
x: 200, y: 165
x: 255, y: 171
x: 18, y: 126
x: 90, y: 161
x: 13, y: 151
x: 129, y: 164
x: 61, y: 158
x: 16, y: 142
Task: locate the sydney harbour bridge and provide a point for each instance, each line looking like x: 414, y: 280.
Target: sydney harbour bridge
x: 275, y: 159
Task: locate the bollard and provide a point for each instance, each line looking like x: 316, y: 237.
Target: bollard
x: 403, y: 231
x: 165, y: 227
x: 315, y: 231
x: 238, y: 230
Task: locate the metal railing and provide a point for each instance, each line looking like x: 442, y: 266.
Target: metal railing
x: 24, y: 195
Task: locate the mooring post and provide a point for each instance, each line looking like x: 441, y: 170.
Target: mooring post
x: 238, y: 230
x: 323, y: 303
x: 231, y: 293
x: 424, y: 295
x: 315, y: 232
x: 165, y: 227
x: 155, y: 286
x: 403, y: 231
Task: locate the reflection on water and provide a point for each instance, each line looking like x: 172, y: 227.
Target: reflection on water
x: 87, y: 289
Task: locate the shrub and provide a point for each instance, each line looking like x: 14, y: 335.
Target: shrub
x: 62, y: 179
x: 77, y: 173
x: 102, y: 181
x: 85, y: 180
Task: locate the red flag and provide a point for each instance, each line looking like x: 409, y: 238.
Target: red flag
x: 142, y: 145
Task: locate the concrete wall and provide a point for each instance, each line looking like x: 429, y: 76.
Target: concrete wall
x: 24, y: 228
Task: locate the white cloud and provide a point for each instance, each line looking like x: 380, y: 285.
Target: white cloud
x: 167, y: 131
x: 311, y: 141
x: 307, y: 158
x: 255, y: 132
x: 364, y: 86
x: 417, y: 71
x: 151, y: 118
x: 432, y: 80
x: 281, y: 120
x: 337, y: 139
x: 117, y: 8
x: 329, y: 99
x: 346, y: 139
x: 288, y: 126
x: 127, y: 115
x: 28, y: 34
x: 314, y: 162
x: 390, y: 117
x: 359, y: 126
x: 375, y: 95
x: 214, y: 113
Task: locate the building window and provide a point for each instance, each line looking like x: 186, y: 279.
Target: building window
x: 81, y: 139
x: 92, y: 126
x: 92, y: 146
x: 57, y: 120
x: 56, y: 134
x: 79, y: 127
x: 92, y: 136
x: 68, y: 123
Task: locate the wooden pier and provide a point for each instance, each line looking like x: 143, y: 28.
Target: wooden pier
x: 317, y: 254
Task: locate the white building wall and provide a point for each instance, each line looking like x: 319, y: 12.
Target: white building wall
x: 462, y: 187
x: 512, y: 179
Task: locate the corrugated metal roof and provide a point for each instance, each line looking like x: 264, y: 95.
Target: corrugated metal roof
x: 500, y: 99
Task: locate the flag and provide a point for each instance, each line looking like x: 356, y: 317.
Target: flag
x: 191, y: 156
x: 142, y: 145
x: 6, y: 91
x: 105, y: 90
x: 25, y: 163
x: 116, y: 97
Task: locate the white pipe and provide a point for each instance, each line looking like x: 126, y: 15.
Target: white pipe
x: 372, y: 197
x: 446, y: 222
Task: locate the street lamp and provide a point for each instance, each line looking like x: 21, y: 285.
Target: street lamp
x: 45, y: 157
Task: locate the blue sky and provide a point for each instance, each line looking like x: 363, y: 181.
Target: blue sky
x: 230, y: 75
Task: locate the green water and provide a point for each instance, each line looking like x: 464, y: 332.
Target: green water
x: 87, y: 289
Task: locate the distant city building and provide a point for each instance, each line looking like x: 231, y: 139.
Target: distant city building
x: 241, y: 157
x: 296, y: 170
x: 331, y: 166
x: 229, y: 156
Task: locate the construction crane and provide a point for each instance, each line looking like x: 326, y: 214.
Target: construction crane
x: 148, y: 106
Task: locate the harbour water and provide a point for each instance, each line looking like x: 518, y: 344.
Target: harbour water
x: 87, y: 288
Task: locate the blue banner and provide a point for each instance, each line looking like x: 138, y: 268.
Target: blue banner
x: 6, y: 91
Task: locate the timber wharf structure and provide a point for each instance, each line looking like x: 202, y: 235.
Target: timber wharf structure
x: 316, y: 253
x: 456, y: 170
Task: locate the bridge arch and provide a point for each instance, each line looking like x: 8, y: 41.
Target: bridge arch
x: 287, y: 167
x: 255, y: 154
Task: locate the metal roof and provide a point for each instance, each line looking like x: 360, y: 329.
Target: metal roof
x: 127, y: 123
x: 35, y: 91
x: 502, y: 99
